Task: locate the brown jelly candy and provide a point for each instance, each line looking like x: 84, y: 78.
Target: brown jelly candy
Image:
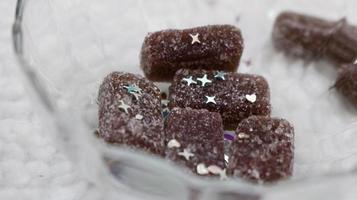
x: 263, y: 150
x: 346, y: 82
x: 235, y: 96
x: 194, y: 138
x: 130, y: 112
x: 342, y: 47
x: 311, y: 37
x: 215, y: 47
x: 302, y: 35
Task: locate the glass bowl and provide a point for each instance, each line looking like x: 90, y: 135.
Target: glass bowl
x: 66, y: 47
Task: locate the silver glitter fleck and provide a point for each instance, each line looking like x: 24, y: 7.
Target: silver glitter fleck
x: 242, y: 135
x: 204, y: 80
x: 220, y: 75
x: 226, y: 159
x: 195, y: 38
x: 189, y: 80
x: 210, y: 99
x: 202, y: 169
x: 186, y: 153
x: 173, y: 144
x: 355, y: 61
x: 139, y: 117
x: 124, y: 106
x: 251, y: 97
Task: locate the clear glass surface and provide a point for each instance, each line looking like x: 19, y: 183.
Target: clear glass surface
x: 66, y: 47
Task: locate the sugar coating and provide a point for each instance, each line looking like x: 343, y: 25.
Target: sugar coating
x: 346, y: 82
x: 230, y: 95
x: 218, y: 47
x: 263, y: 149
x: 199, y: 132
x: 142, y: 125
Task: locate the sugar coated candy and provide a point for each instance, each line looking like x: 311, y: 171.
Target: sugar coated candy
x: 215, y: 47
x: 235, y: 96
x: 194, y: 138
x: 312, y: 37
x: 346, y: 82
x: 263, y: 150
x: 130, y: 112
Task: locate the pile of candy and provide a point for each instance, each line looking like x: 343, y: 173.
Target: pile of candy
x: 206, y: 97
x: 310, y: 38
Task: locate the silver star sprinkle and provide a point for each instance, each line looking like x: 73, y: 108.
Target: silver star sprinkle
x: 210, y: 99
x: 220, y: 75
x: 223, y: 175
x: 214, y: 169
x: 139, y: 117
x: 204, y: 80
x: 202, y: 169
x: 124, y: 106
x: 189, y: 80
x: 136, y: 95
x: 173, y: 144
x: 195, y: 38
x: 251, y: 97
x: 186, y: 153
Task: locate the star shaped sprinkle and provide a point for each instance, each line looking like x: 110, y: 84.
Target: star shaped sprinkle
x: 186, y: 153
x: 173, y: 144
x: 189, y: 80
x: 124, y: 106
x: 204, y: 80
x: 223, y: 175
x: 220, y: 75
x: 133, y: 88
x: 195, y: 38
x: 210, y: 99
x: 214, y: 169
x: 251, y: 97
x: 136, y: 95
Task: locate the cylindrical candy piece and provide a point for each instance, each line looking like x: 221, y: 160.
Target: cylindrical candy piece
x: 216, y: 47
x: 130, y: 112
x: 194, y: 138
x: 235, y: 96
x: 302, y: 35
x: 346, y: 82
x: 311, y: 37
x: 263, y: 150
x: 342, y: 46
